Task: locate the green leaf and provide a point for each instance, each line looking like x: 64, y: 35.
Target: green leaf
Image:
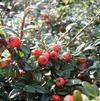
x: 8, y: 70
x: 28, y: 67
x: 29, y: 89
x: 34, y: 89
x: 44, y: 97
x: 91, y: 89
x: 65, y: 1
x: 92, y: 1
x: 2, y: 33
x: 74, y: 82
x: 37, y: 75
x: 63, y: 73
x: 96, y: 30
x: 97, y: 42
x: 26, y: 50
x: 89, y: 47
x: 85, y: 98
x: 15, y: 57
x: 1, y: 72
x: 13, y: 93
x: 40, y: 89
x: 79, y: 48
x: 5, y: 96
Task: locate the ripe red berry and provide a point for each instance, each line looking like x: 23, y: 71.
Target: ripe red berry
x: 13, y: 41
x: 42, y: 60
x: 55, y: 97
x: 66, y: 56
x: 53, y: 55
x: 82, y: 61
x: 60, y: 82
x: 68, y: 98
x: 37, y: 52
x: 55, y: 47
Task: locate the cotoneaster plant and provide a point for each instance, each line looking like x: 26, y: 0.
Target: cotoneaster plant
x: 50, y: 42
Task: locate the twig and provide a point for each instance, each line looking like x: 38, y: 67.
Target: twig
x: 42, y: 41
x: 22, y: 26
x: 81, y: 30
x: 1, y: 21
x: 23, y: 21
x: 66, y: 33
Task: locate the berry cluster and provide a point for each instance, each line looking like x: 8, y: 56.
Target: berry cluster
x: 57, y: 97
x: 43, y: 56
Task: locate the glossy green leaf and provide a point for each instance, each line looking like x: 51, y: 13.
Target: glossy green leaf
x: 91, y: 89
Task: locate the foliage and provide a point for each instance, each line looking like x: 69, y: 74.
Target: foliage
x: 40, y: 24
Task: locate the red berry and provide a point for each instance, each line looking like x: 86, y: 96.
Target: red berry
x: 42, y: 60
x: 55, y: 47
x: 82, y: 61
x: 53, y: 55
x: 60, y: 82
x: 68, y: 98
x: 13, y: 41
x: 66, y: 56
x: 37, y: 52
x: 55, y: 97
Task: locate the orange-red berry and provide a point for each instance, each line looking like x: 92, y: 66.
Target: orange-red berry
x: 43, y: 60
x: 66, y: 56
x: 82, y: 61
x: 13, y: 41
x: 37, y: 52
x: 60, y: 82
x: 55, y: 97
x: 68, y: 98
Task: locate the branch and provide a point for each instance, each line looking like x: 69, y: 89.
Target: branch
x: 80, y: 31
x: 22, y: 26
x: 66, y: 33
x: 23, y: 21
x: 43, y: 43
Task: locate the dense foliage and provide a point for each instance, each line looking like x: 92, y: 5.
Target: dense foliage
x: 50, y: 50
